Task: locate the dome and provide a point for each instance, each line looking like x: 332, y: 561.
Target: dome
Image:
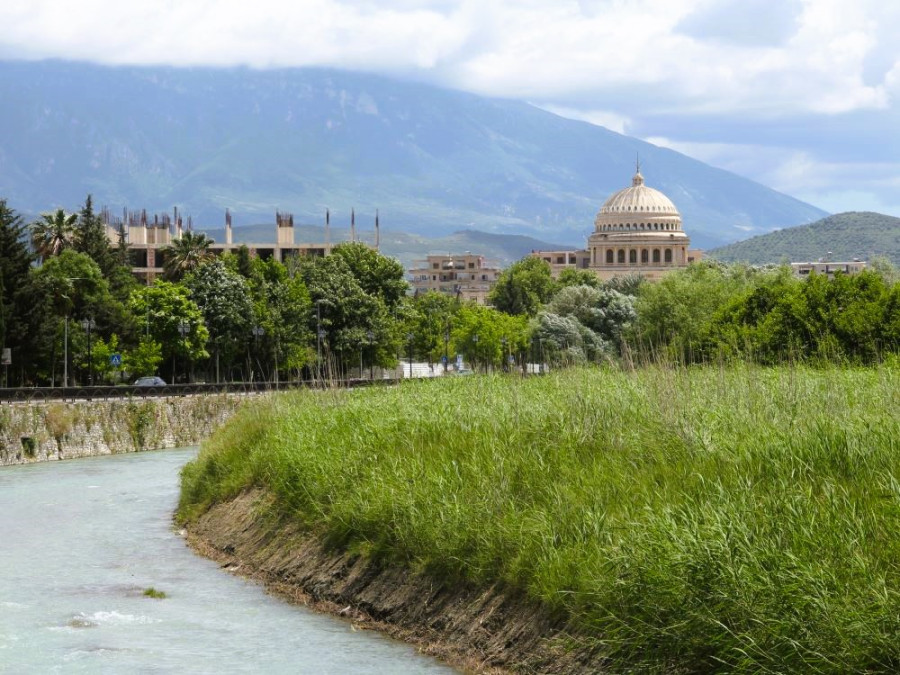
x: 638, y: 208
x: 639, y: 198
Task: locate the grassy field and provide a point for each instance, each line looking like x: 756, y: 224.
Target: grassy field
x: 738, y: 519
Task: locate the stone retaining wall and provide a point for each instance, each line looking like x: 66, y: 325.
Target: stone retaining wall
x: 35, y: 432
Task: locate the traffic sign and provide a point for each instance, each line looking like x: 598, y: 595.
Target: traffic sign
x: 115, y: 360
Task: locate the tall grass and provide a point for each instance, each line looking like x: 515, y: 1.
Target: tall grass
x: 733, y: 519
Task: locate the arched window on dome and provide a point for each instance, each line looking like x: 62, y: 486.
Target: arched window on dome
x: 609, y: 256
x: 656, y: 255
x: 632, y: 256
x: 645, y: 258
x: 668, y: 255
x: 621, y: 256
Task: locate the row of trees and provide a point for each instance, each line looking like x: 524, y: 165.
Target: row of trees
x: 234, y: 317
x: 713, y: 311
x: 237, y: 317
x: 706, y: 312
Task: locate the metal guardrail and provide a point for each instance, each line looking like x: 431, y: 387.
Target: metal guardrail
x: 24, y: 394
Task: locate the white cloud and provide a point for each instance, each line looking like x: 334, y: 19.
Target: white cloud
x: 610, y: 62
x: 806, y: 57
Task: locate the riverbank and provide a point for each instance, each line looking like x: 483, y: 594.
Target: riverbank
x: 49, y: 431
x: 704, y: 519
x: 490, y: 629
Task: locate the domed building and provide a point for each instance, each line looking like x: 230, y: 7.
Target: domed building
x: 637, y: 231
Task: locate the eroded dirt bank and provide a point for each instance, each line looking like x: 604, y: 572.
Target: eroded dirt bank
x: 481, y: 630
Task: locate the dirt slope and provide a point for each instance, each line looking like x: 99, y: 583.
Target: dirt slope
x: 484, y: 630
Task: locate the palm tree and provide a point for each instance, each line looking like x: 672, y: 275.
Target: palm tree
x: 186, y: 254
x: 54, y: 233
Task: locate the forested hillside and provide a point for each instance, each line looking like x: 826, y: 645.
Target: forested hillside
x: 844, y: 236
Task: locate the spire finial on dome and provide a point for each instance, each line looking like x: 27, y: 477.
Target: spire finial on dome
x: 638, y: 178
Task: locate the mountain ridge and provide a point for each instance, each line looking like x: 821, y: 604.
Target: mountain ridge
x: 433, y: 160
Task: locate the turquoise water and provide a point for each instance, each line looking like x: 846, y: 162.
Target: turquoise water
x: 80, y: 540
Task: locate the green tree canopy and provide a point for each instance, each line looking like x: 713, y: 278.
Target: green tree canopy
x: 224, y: 299
x: 90, y: 238
x: 77, y: 287
x: 523, y: 287
x: 282, y: 310
x: 15, y: 266
x: 162, y: 308
x: 572, y: 276
x: 673, y: 314
x: 347, y: 312
x: 378, y: 275
x: 606, y: 312
x: 186, y: 254
x: 486, y: 336
x: 53, y: 233
x: 565, y: 341
x: 431, y: 320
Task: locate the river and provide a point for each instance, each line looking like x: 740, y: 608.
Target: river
x: 81, y: 540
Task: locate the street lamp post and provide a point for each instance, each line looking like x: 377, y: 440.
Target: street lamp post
x: 409, y: 343
x: 183, y: 329
x: 475, y: 352
x: 89, y: 325
x: 70, y: 288
x: 258, y: 332
x: 320, y: 335
x: 66, y: 353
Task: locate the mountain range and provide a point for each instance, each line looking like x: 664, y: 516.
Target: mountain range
x: 434, y: 161
x: 841, y: 237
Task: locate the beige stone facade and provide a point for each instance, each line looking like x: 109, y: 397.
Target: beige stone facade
x: 637, y: 231
x: 466, y: 276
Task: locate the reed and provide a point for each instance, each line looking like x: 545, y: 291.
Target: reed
x: 738, y: 518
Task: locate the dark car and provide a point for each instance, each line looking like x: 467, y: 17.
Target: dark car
x: 150, y: 381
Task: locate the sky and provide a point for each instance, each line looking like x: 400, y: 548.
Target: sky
x: 800, y: 95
